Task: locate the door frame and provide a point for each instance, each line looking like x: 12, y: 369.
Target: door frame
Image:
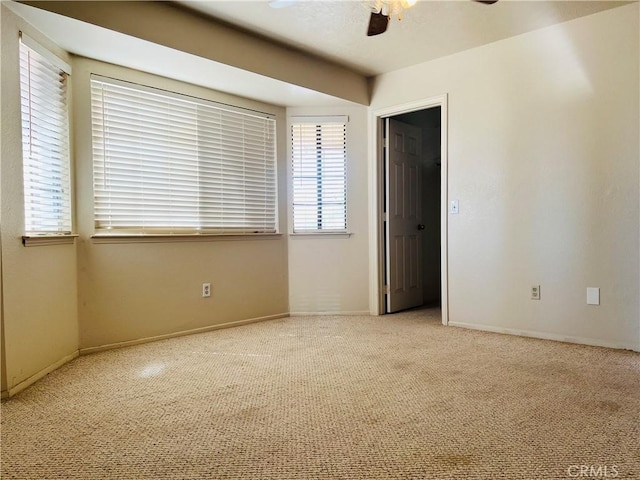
x: 376, y: 200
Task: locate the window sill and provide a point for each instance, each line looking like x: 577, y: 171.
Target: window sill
x: 321, y: 235
x: 167, y: 238
x: 43, y: 240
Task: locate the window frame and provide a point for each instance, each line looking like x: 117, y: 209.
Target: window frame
x: 319, y: 121
x: 180, y: 233
x: 61, y: 163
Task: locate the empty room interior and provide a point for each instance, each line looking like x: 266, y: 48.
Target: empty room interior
x: 296, y: 239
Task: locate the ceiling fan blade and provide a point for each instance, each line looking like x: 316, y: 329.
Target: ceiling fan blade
x: 377, y: 24
x: 486, y: 2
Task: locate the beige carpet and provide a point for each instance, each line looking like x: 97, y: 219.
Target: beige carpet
x: 393, y: 397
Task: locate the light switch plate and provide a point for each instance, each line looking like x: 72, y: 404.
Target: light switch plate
x: 593, y: 296
x: 453, y: 206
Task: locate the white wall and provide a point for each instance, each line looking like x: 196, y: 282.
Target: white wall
x: 543, y: 158
x: 40, y: 322
x: 329, y: 274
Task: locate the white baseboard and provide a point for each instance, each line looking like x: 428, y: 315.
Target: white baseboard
x: 10, y: 392
x: 346, y: 314
x: 547, y: 336
x: 128, y: 343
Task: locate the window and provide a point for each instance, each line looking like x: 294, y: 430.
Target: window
x: 45, y: 140
x: 166, y: 163
x: 319, y: 157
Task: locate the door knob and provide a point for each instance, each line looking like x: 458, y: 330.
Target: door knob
x: 420, y: 227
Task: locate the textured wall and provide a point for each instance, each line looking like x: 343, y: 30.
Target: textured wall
x: 39, y: 283
x: 329, y: 274
x: 543, y: 157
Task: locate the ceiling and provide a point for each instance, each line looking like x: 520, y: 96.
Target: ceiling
x: 332, y: 30
x: 336, y: 30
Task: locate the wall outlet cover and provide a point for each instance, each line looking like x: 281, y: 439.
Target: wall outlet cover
x: 535, y: 292
x: 593, y: 295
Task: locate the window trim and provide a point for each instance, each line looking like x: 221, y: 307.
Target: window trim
x: 318, y: 120
x: 45, y: 240
x: 321, y: 234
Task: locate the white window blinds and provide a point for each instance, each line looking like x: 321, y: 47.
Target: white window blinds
x: 319, y: 157
x: 167, y: 163
x: 45, y: 141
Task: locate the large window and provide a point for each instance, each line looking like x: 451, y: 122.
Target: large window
x: 167, y: 163
x: 319, y: 158
x: 45, y: 141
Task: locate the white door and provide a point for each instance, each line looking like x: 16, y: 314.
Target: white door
x: 404, y: 216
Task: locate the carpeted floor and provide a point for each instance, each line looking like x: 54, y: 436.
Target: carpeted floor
x: 392, y: 397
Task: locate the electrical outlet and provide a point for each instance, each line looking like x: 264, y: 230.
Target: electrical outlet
x: 535, y: 292
x: 206, y: 289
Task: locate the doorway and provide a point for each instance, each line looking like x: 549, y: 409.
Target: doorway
x: 411, y: 191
